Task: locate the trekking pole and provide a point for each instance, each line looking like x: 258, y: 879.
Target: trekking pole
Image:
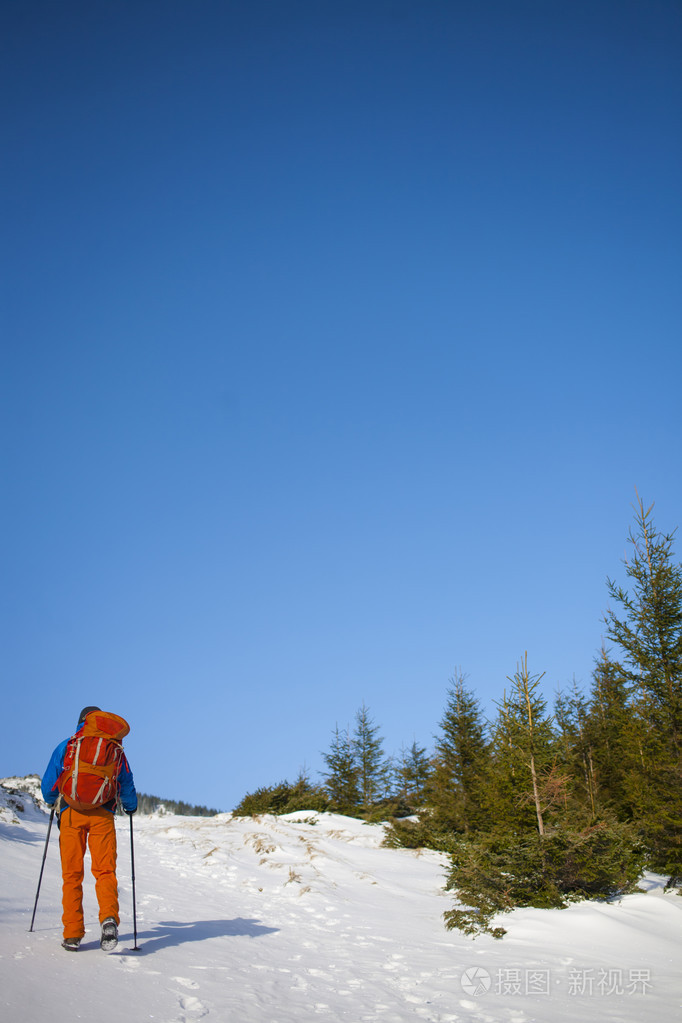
x: 132, y: 864
x: 42, y: 866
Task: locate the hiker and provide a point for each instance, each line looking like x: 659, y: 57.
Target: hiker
x: 86, y: 776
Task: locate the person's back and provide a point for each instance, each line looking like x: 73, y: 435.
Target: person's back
x: 86, y: 776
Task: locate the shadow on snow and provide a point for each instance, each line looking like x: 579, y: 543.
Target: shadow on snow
x: 170, y: 932
x: 14, y: 832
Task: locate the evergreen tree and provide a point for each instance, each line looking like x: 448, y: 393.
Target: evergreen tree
x: 453, y: 782
x: 371, y: 765
x: 649, y: 631
x: 572, y: 715
x: 412, y: 775
x: 611, y: 735
x: 524, y: 782
x: 646, y: 625
x: 454, y: 789
x: 341, y: 777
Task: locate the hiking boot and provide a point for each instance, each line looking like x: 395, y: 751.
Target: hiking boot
x: 109, y: 939
x: 71, y: 944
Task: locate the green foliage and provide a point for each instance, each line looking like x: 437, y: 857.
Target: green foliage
x: 412, y: 773
x: 358, y: 776
x: 575, y: 753
x: 283, y: 798
x: 451, y: 785
x: 424, y: 832
x: 610, y: 735
x: 341, y: 777
x: 494, y: 873
x: 454, y: 790
x: 372, y: 768
x: 357, y: 780
x: 523, y: 785
x: 388, y: 809
x: 643, y: 762
x: 649, y: 628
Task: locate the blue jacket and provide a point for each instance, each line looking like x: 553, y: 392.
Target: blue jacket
x: 48, y: 785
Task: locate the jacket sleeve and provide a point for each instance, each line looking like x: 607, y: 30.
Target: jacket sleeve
x: 48, y: 784
x: 127, y: 793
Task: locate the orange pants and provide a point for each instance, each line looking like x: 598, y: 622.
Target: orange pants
x: 94, y: 829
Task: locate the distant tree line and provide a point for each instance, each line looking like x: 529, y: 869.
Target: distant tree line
x: 538, y: 808
x: 145, y: 804
x: 154, y: 804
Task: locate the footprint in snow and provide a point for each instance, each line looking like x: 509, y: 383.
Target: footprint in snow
x: 194, y: 1008
x: 128, y: 962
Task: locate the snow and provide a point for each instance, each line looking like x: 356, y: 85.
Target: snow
x: 307, y: 917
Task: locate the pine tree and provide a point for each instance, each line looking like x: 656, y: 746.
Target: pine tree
x: 453, y: 791
x: 646, y: 625
x: 412, y: 774
x: 610, y: 731
x: 524, y: 782
x: 649, y: 633
x: 341, y: 777
x: 372, y: 766
x: 572, y: 715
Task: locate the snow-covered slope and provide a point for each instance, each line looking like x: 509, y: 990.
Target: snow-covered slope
x: 307, y: 917
x: 29, y: 784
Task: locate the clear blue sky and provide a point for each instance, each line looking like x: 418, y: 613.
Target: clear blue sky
x: 336, y: 339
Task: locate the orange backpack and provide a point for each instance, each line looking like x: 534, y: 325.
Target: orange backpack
x: 92, y: 761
